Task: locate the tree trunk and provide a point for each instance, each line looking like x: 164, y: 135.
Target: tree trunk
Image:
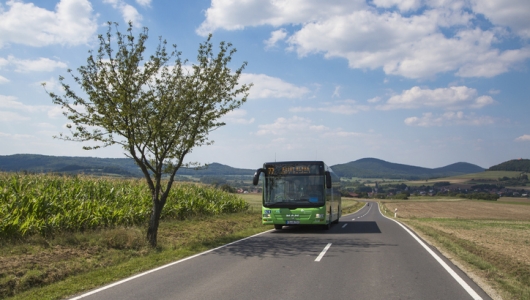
x: 152, y: 231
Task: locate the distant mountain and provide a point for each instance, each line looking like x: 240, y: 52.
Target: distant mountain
x: 70, y: 165
x: 376, y: 168
x: 216, y: 169
x: 98, y: 166
x: 365, y: 168
x: 522, y: 165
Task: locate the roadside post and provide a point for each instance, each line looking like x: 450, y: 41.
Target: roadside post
x: 395, y: 213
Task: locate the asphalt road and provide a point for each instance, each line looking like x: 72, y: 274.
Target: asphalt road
x: 365, y: 256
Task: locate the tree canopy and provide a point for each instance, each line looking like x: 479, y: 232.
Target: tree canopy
x: 157, y: 111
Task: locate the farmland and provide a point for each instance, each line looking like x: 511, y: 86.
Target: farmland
x: 46, y: 204
x: 59, y: 235
x: 489, y: 239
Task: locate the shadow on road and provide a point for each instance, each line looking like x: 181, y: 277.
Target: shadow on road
x: 308, y: 240
x: 350, y: 228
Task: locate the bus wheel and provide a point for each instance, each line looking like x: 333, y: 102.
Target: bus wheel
x: 278, y: 227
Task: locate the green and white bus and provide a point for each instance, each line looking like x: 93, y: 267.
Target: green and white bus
x: 299, y: 193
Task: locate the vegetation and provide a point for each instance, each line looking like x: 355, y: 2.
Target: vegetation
x: 521, y: 165
x: 49, y: 204
x: 376, y: 168
x: 34, y: 267
x: 156, y: 112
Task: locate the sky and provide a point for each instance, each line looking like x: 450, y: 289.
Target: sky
x: 420, y: 82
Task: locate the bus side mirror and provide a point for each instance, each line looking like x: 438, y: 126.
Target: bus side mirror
x: 328, y: 180
x: 255, y: 180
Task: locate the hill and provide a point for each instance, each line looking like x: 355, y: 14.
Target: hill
x: 97, y: 166
x: 364, y: 168
x: 521, y: 165
x: 376, y: 168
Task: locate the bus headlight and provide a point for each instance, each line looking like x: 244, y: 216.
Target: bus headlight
x: 319, y: 216
x: 266, y: 215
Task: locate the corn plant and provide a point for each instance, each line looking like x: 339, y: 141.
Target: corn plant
x: 44, y: 204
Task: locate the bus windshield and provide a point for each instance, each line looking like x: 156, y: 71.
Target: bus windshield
x: 297, y: 190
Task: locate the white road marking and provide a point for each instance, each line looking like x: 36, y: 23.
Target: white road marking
x: 323, y: 252
x: 458, y: 279
x: 162, y: 267
x: 344, y: 225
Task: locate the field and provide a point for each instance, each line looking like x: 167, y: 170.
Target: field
x: 491, y: 240
x: 63, y: 256
x: 467, y: 178
x: 63, y: 234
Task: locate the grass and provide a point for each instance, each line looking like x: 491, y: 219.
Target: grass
x: 67, y: 263
x: 38, y: 268
x: 494, y: 245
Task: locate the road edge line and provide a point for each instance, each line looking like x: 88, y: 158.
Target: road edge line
x: 106, y: 287
x: 458, y: 279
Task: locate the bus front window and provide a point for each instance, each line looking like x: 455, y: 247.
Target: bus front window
x: 294, y: 189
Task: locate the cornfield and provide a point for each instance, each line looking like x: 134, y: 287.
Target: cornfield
x: 44, y: 204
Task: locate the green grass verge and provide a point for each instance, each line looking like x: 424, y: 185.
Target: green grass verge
x: 110, y: 257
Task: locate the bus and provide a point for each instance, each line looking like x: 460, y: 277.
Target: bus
x: 299, y: 193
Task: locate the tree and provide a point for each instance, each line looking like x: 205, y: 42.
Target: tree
x: 158, y: 113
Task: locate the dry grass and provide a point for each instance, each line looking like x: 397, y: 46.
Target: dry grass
x: 462, y: 210
x: 52, y: 268
x: 490, y: 239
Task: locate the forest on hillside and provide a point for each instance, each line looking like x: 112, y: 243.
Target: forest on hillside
x: 521, y: 165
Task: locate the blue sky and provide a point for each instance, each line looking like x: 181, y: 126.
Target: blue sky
x: 420, y: 82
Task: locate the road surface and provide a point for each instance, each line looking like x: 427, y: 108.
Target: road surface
x: 364, y: 256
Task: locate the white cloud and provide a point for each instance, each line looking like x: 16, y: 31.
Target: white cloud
x: 455, y: 97
x: 146, y: 3
x: 494, y: 92
x: 342, y: 108
x: 336, y: 92
x: 238, y: 14
x: 448, y: 119
x: 271, y: 87
x: 411, y: 47
x: 9, y: 102
x: 72, y: 23
x: 523, y: 138
x: 513, y: 13
x: 51, y: 84
x: 128, y: 12
x: 3, y: 80
x: 295, y: 124
x: 419, y: 40
x: 374, y: 100
x: 403, y: 5
x: 37, y: 65
x: 8, y: 116
x: 301, y: 128
x: 238, y: 117
x: 276, y: 36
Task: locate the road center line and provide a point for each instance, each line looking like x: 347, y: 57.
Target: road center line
x: 323, y: 252
x: 344, y: 225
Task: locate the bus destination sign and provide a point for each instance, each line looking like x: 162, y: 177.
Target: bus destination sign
x: 292, y: 169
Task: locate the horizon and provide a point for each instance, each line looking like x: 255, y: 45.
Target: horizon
x: 422, y: 83
x: 247, y: 168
